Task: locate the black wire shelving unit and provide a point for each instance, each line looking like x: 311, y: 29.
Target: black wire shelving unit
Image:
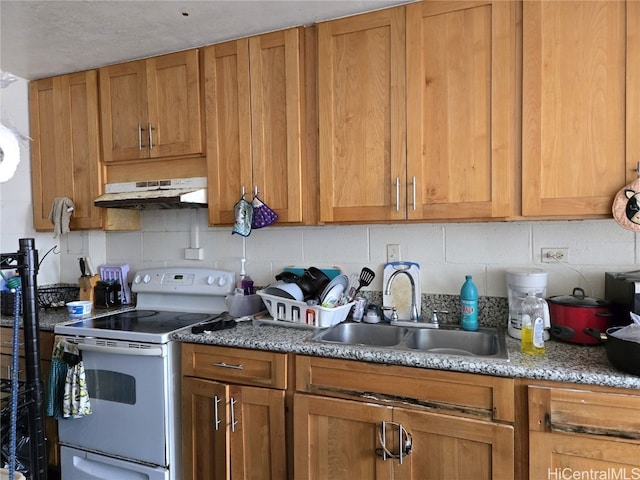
x: 31, y: 390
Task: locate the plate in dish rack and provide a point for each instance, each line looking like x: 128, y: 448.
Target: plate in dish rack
x: 332, y: 293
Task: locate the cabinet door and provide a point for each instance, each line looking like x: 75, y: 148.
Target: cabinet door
x: 580, y: 99
x: 228, y: 119
x: 205, y: 436
x: 337, y: 439
x: 173, y: 88
x: 461, y: 99
x: 123, y: 105
x: 276, y: 100
x: 448, y: 447
x: 258, y: 448
x: 65, y: 153
x: 361, y: 104
x: 573, y: 430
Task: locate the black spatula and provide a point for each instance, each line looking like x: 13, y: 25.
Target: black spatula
x: 366, y: 277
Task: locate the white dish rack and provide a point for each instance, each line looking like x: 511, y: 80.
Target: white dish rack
x: 287, y: 312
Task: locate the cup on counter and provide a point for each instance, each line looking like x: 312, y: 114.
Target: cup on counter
x: 80, y: 308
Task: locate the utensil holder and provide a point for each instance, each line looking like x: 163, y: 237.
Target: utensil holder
x: 119, y: 273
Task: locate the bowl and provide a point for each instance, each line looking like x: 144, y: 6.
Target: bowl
x: 79, y: 308
x: 290, y: 291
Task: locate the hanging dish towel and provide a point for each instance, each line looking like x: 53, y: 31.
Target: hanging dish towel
x: 68, y: 396
x: 60, y: 215
x: 243, y: 211
x: 263, y: 216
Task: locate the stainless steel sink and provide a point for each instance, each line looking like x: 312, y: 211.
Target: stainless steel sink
x: 447, y: 340
x: 458, y: 342
x: 363, y: 334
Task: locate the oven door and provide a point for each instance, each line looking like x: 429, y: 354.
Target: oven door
x: 129, y: 395
x: 80, y: 465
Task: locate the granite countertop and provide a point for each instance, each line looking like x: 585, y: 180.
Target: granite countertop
x: 48, y: 318
x: 562, y: 362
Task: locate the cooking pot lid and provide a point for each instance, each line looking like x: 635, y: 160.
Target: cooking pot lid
x: 578, y: 299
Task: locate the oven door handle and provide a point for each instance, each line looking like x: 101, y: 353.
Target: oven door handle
x: 153, y: 351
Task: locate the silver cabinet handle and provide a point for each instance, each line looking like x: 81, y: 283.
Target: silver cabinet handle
x: 414, y: 193
x: 397, y: 194
x: 226, y: 365
x: 405, y: 442
x: 140, y: 137
x: 216, y: 417
x: 233, y: 415
x: 150, y: 136
x: 400, y: 443
x: 384, y: 440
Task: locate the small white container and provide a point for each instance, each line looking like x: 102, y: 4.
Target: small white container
x: 243, y: 305
x: 79, y: 308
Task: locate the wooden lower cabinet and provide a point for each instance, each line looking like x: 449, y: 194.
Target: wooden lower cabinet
x: 578, y: 432
x: 231, y: 430
x: 46, y: 340
x: 343, y: 440
x: 346, y: 412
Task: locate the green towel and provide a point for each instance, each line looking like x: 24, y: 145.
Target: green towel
x: 55, y: 392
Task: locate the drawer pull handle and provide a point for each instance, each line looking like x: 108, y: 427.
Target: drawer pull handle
x: 226, y: 365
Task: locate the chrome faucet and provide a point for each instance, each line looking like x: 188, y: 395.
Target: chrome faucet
x: 414, y: 305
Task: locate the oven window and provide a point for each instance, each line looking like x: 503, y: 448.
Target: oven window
x: 113, y: 386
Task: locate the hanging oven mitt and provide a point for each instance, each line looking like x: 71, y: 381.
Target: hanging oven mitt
x: 626, y: 206
x: 263, y: 216
x: 243, y: 211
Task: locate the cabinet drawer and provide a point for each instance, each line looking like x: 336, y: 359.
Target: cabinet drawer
x: 6, y: 342
x: 461, y: 393
x: 235, y: 365
x: 584, y: 411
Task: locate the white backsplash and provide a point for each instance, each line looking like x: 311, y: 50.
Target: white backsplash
x: 446, y: 252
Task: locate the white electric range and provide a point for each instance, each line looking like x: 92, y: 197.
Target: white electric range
x: 133, y: 376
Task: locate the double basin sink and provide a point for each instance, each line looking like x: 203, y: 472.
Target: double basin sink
x: 484, y: 342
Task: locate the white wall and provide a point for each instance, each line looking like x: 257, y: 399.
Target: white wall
x: 446, y: 252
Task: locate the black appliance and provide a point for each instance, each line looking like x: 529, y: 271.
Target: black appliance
x: 622, y: 289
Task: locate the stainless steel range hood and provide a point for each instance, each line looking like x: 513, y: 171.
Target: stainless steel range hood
x: 155, y: 194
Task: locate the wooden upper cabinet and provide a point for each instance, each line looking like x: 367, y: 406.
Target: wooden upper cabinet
x: 361, y: 105
x: 581, y: 105
x: 65, y: 153
x: 151, y: 108
x: 461, y: 109
x: 254, y: 99
x: 442, y: 148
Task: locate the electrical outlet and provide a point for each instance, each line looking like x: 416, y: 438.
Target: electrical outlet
x: 554, y: 255
x: 193, y: 254
x: 393, y: 252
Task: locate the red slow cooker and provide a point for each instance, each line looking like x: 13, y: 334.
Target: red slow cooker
x: 572, y: 315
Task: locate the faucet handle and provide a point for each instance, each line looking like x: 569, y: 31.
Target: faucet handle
x: 394, y: 313
x: 434, y: 316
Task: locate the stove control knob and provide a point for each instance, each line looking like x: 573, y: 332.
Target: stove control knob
x: 210, y: 279
x: 146, y: 278
x: 137, y: 279
x: 222, y: 281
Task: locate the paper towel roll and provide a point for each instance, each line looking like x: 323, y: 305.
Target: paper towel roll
x: 9, y: 153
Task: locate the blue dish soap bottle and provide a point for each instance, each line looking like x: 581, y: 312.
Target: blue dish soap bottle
x: 469, y: 305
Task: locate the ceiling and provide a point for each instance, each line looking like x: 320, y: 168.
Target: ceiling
x: 41, y: 38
